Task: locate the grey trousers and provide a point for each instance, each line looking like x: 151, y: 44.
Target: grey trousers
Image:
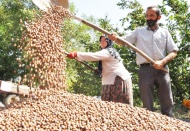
x: 149, y: 77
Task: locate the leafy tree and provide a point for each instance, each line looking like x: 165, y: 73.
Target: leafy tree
x: 84, y: 81
x: 177, y: 14
x: 134, y: 18
x: 178, y: 22
x: 81, y: 38
x: 12, y: 13
x: 77, y: 37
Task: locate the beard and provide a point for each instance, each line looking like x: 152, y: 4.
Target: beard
x: 151, y: 23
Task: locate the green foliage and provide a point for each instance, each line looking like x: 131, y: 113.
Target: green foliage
x: 178, y: 23
x: 81, y: 38
x: 135, y: 17
x: 12, y: 12
x: 178, y: 17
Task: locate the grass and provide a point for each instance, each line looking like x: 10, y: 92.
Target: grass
x: 180, y: 112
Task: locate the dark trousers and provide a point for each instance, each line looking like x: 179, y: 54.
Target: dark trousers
x: 149, y: 77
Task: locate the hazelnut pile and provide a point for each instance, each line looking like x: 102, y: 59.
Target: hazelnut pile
x: 42, y: 45
x: 51, y: 109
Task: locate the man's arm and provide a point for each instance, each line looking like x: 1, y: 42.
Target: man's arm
x: 160, y: 63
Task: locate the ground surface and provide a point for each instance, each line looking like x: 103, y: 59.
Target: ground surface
x: 181, y: 113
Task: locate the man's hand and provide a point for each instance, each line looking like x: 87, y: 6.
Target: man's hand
x: 72, y: 55
x: 158, y: 64
x: 113, y: 36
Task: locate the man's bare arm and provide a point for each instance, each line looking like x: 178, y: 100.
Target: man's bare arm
x: 159, y: 64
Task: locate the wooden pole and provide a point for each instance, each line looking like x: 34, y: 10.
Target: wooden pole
x: 119, y: 40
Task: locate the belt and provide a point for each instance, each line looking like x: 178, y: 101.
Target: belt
x: 146, y: 64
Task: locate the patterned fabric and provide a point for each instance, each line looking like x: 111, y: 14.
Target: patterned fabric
x: 113, y: 52
x: 119, y: 92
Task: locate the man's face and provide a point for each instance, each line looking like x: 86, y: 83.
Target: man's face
x: 151, y: 14
x: 151, y: 17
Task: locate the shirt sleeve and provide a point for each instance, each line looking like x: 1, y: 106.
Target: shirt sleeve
x: 131, y: 37
x: 93, y: 56
x: 171, y: 46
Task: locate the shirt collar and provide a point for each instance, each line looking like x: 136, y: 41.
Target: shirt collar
x: 148, y: 28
